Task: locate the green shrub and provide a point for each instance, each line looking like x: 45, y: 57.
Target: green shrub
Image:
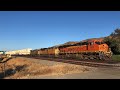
x: 116, y: 57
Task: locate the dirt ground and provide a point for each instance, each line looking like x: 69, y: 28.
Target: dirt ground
x: 27, y: 68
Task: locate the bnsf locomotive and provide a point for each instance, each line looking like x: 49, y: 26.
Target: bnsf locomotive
x: 90, y: 49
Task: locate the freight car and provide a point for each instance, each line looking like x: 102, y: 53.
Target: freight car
x: 90, y: 49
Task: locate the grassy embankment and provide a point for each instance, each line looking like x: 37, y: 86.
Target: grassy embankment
x: 116, y: 57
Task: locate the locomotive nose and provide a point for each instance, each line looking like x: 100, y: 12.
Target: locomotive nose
x: 105, y: 47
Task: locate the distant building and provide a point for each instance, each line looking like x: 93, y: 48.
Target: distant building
x: 1, y: 52
x: 20, y: 52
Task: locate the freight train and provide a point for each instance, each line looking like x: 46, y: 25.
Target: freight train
x: 84, y: 50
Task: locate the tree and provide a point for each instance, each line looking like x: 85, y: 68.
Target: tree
x: 116, y: 34
x: 113, y: 41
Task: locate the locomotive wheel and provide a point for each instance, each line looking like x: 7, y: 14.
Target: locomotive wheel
x: 100, y: 55
x: 108, y: 57
x: 78, y: 56
x: 63, y: 56
x: 91, y: 57
x: 74, y: 56
x: 81, y: 56
x: 86, y: 57
x: 60, y: 56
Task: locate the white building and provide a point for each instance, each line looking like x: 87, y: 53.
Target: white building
x: 19, y: 52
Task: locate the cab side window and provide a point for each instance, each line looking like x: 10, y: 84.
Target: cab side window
x: 85, y: 43
x: 91, y: 43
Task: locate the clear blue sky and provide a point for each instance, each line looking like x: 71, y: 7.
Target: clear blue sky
x: 38, y: 29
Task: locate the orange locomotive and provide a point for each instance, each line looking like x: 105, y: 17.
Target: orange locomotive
x: 91, y: 49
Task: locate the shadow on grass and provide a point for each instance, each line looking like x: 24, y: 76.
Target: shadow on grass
x: 10, y: 71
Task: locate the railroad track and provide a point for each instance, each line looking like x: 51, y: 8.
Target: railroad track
x: 79, y: 62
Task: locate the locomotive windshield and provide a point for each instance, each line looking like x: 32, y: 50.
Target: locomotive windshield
x: 98, y: 43
x: 102, y: 42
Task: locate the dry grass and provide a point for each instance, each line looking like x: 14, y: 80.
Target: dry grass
x: 23, y: 67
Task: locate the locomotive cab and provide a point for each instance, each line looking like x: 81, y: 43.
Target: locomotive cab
x: 96, y: 45
x: 99, y: 47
